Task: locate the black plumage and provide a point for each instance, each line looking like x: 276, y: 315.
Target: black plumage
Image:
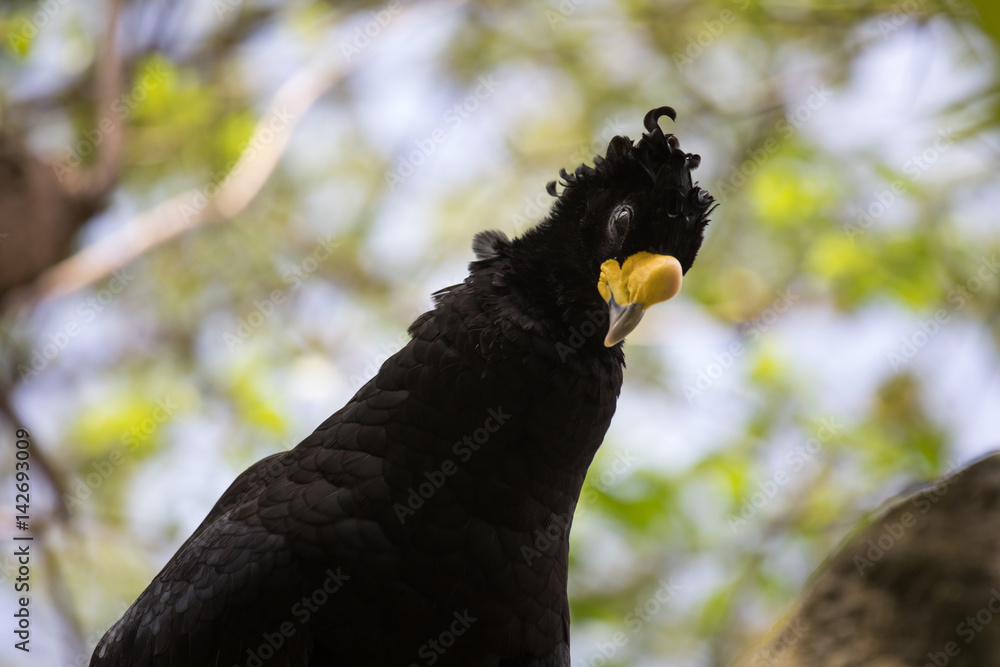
x: 427, y: 521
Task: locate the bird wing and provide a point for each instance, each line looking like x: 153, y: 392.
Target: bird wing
x: 247, y: 582
x: 207, y: 605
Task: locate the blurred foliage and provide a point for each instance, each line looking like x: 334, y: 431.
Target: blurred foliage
x: 829, y: 195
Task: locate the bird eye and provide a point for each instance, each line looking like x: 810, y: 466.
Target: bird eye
x: 619, y: 221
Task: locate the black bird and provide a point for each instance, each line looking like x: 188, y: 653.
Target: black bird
x: 427, y: 521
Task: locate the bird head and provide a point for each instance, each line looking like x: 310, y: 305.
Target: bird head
x: 620, y: 235
x: 641, y: 220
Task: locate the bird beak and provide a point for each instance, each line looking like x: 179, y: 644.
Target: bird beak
x: 643, y: 280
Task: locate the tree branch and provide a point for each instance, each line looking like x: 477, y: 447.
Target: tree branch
x: 215, y: 202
